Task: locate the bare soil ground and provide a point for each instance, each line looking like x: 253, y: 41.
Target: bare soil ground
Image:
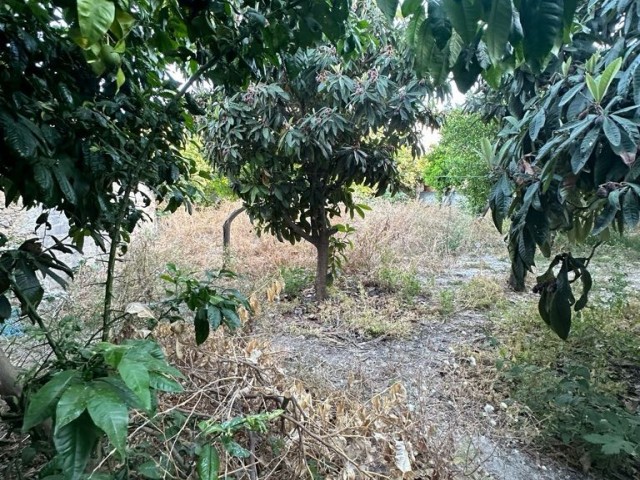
x: 437, y: 367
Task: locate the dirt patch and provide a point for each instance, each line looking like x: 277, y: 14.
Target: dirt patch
x: 430, y: 363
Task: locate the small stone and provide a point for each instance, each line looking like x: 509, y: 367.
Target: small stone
x: 489, y: 408
x: 472, y: 361
x: 503, y: 406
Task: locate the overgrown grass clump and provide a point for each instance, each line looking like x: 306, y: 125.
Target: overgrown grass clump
x: 582, y: 394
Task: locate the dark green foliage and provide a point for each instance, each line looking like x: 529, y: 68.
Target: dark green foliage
x: 568, y: 147
x: 484, y: 37
x: 581, y: 393
x: 93, y: 398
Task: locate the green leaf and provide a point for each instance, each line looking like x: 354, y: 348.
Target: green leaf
x: 233, y: 321
x: 5, y: 308
x: 208, y: 464
x: 201, y: 324
x: 150, y: 470
x: 28, y: 284
x: 71, y: 404
x: 234, y: 449
x: 630, y: 209
x: 544, y: 306
x: 587, y: 283
x: 593, y: 87
x: 214, y: 315
x: 611, y: 444
x: 612, y: 132
x: 95, y: 17
x: 388, y: 7
x: 42, y: 176
x: 560, y: 311
x: 584, y: 151
x: 125, y: 394
x: 410, y: 6
x: 604, y: 219
x: 109, y: 414
x: 607, y: 76
x: 536, y: 124
x: 429, y: 58
x: 74, y: 443
x: 498, y: 29
x: 65, y: 186
x: 42, y: 404
x: 636, y: 85
x: 120, y: 79
x: 164, y: 383
x: 136, y: 377
x: 542, y: 24
x: 464, y: 17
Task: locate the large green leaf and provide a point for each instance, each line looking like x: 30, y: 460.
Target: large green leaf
x: 231, y: 318
x: 201, y: 324
x: 28, y: 284
x: 465, y: 17
x: 71, y: 404
x: 584, y: 151
x: 164, y: 383
x: 499, y: 23
x: 542, y: 23
x: 208, y: 464
x: 74, y: 443
x: 560, y: 311
x: 109, y: 414
x: 410, y: 6
x: 42, y: 404
x: 388, y: 7
x: 607, y: 76
x: 612, y: 132
x: 95, y: 17
x: 630, y: 209
x: 136, y: 376
x: 5, y: 308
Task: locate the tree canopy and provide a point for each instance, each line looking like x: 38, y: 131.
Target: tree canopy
x: 295, y: 142
x: 568, y: 151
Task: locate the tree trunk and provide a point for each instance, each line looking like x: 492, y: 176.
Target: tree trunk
x: 9, y: 386
x: 226, y: 228
x: 322, y: 267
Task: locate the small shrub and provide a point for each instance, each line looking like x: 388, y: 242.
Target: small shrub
x: 295, y: 280
x: 402, y: 280
x: 447, y: 302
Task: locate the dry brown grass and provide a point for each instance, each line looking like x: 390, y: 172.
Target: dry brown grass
x: 410, y: 234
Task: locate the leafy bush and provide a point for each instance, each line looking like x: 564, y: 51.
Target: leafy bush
x: 456, y: 161
x: 213, y: 305
x: 94, y: 398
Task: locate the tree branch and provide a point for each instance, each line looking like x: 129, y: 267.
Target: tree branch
x: 297, y: 229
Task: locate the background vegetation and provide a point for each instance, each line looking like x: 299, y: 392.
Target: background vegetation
x: 457, y: 161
